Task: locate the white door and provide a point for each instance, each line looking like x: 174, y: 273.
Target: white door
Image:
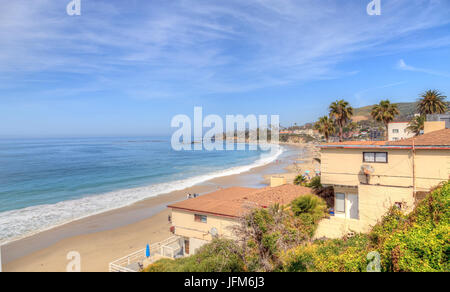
x: 353, y: 206
x: 339, y: 205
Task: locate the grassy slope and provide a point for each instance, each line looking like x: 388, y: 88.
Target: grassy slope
x: 406, y: 109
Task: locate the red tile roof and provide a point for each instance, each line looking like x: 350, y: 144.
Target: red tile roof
x: 356, y: 143
x: 236, y: 201
x: 438, y: 139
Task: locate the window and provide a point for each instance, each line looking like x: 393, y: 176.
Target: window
x: 395, y: 131
x: 376, y: 157
x: 395, y: 139
x: 381, y: 157
x: 200, y: 218
x: 340, y: 203
x: 369, y: 157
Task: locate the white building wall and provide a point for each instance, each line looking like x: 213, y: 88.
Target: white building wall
x: 195, y: 244
x: 398, y: 131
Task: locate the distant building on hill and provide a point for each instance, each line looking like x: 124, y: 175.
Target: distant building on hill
x: 398, y: 131
x: 373, y: 134
x: 286, y: 132
x: 304, y: 132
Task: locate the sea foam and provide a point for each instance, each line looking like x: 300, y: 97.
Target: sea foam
x: 16, y: 224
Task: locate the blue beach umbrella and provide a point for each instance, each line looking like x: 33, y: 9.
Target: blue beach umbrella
x: 147, y: 251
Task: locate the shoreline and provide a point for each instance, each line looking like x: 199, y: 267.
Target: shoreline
x: 142, y: 192
x: 121, y: 231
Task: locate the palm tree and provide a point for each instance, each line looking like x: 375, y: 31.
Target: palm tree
x: 385, y: 113
x: 341, y: 113
x: 432, y: 102
x: 351, y: 127
x: 325, y: 126
x: 416, y: 125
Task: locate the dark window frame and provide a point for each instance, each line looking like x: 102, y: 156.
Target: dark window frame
x: 375, y: 157
x: 199, y: 218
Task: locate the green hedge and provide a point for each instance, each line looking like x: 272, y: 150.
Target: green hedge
x: 221, y: 255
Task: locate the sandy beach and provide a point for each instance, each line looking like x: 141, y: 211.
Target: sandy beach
x: 103, y: 238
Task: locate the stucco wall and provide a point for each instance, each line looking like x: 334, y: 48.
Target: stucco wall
x: 186, y: 226
x: 343, y: 167
x: 433, y: 126
x: 276, y: 181
x: 374, y: 202
x: 195, y: 244
x: 432, y: 167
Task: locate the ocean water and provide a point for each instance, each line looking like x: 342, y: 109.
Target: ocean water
x: 45, y: 183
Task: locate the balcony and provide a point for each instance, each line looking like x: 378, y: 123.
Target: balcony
x: 170, y: 248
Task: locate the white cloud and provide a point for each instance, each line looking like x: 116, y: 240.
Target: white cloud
x: 191, y: 46
x: 401, y: 65
x: 359, y: 96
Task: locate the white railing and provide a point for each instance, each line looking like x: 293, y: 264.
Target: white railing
x: 160, y: 248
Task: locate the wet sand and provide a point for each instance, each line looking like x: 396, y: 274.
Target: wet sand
x: 103, y: 238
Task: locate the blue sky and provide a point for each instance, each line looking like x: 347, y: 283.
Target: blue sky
x: 127, y: 67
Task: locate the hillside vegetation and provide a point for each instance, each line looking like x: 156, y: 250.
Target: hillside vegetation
x: 417, y: 242
x: 406, y: 109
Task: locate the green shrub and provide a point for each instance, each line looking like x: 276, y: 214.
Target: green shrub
x: 220, y: 255
x: 309, y: 204
x: 420, y: 241
x: 300, y: 180
x: 315, y: 183
x: 417, y: 242
x: 328, y: 256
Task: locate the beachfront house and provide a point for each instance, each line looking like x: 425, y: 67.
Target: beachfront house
x: 369, y: 177
x: 198, y: 220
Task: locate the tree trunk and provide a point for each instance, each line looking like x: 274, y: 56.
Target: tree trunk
x: 341, y: 134
x: 386, y: 135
